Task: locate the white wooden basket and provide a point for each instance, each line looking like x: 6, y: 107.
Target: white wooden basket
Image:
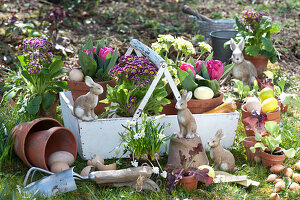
x: 102, y: 136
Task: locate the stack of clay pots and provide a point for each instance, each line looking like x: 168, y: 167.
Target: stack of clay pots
x: 37, y: 140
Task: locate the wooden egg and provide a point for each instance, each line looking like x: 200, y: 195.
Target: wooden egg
x: 59, y: 167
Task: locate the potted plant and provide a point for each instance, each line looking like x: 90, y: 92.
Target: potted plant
x: 37, y: 82
x: 256, y: 28
x: 204, y: 82
x: 134, y: 75
x: 272, y: 153
x: 179, y: 54
x: 95, y: 61
x: 186, y: 175
x: 144, y: 139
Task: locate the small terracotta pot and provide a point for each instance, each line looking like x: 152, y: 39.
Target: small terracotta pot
x: 259, y: 61
x: 21, y: 132
x: 80, y: 88
x: 250, y: 142
x: 270, y: 159
x: 196, y: 106
x: 274, y: 116
x: 41, y: 144
x: 189, y: 182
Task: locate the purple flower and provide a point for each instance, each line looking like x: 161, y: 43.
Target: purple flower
x: 132, y: 99
x: 128, y: 106
x: 103, y: 52
x: 147, y: 80
x: 214, y: 69
x: 141, y: 84
x: 34, y: 67
x: 88, y: 52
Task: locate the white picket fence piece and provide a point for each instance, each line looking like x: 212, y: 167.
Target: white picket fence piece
x: 101, y: 136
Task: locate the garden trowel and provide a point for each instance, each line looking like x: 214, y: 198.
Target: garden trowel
x: 65, y: 181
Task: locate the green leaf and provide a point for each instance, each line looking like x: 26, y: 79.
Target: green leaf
x: 272, y: 127
x: 88, y: 64
x: 191, y: 61
x: 246, y: 90
x: 48, y: 99
x: 8, y: 95
x: 88, y: 45
x: 33, y: 105
x: 56, y: 66
x: 290, y: 153
x: 239, y: 25
x: 267, y: 43
x: 100, y: 44
x: 226, y: 70
x: 61, y: 84
x: 252, y: 50
x: 186, y: 80
x: 112, y: 61
x: 258, y: 137
x: 204, y: 72
x: 269, y: 74
x: 281, y: 84
x: 22, y: 60
x: 26, y: 76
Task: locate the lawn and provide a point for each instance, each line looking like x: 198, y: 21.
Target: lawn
x: 122, y: 21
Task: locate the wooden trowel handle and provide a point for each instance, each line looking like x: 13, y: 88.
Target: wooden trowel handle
x: 121, y: 176
x: 188, y: 10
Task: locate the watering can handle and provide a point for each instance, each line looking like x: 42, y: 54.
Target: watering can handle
x: 188, y: 10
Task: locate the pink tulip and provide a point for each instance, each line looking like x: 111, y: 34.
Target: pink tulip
x: 214, y: 69
x: 199, y: 65
x: 186, y: 66
x: 104, y: 51
x: 88, y: 52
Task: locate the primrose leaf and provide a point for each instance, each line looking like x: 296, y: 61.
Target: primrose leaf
x: 272, y: 127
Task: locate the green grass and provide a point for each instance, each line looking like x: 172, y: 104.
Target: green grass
x: 13, y: 174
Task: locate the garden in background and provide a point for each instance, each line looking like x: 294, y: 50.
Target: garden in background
x: 52, y: 46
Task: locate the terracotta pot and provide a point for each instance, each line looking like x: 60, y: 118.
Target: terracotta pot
x: 270, y: 159
x: 41, y: 144
x: 80, y: 88
x: 250, y: 142
x: 51, y: 111
x: 274, y: 116
x: 185, y: 145
x: 259, y: 61
x: 196, y: 106
x: 21, y: 131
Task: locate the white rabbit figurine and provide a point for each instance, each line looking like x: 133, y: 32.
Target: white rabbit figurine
x: 186, y: 121
x: 223, y: 159
x: 84, y: 105
x: 243, y: 69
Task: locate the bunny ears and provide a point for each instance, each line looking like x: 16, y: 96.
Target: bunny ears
x: 186, y: 95
x: 240, y: 45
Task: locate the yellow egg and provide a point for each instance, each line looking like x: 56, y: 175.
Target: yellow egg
x: 203, y: 92
x: 266, y: 93
x: 269, y: 105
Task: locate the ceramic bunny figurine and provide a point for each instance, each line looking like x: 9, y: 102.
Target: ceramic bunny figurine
x: 186, y: 121
x: 223, y: 159
x: 243, y: 69
x: 85, y: 104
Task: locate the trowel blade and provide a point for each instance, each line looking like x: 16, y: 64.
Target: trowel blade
x: 54, y: 184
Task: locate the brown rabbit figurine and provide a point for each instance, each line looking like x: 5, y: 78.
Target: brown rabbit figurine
x: 243, y: 69
x: 223, y: 159
x: 85, y: 104
x: 186, y: 121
